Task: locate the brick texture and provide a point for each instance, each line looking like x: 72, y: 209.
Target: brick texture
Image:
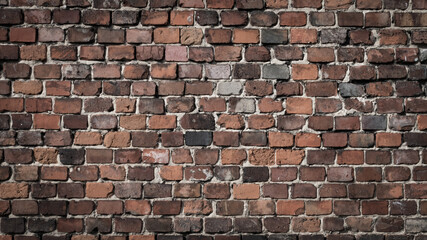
x: 213, y: 119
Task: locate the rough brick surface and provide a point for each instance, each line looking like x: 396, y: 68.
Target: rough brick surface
x: 213, y: 119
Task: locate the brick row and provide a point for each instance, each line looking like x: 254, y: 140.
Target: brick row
x: 190, y: 37
x: 200, y: 173
x: 212, y: 225
x: 239, y: 17
x: 118, y: 139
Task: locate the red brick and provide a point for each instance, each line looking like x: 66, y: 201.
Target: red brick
x: 47, y: 71
x: 33, y: 52
x: 350, y: 19
x: 352, y: 157
x: 220, y: 4
x: 388, y: 139
x: 164, y: 71
x: 65, y: 16
x: 261, y: 121
x: 92, y: 52
x: 246, y: 191
x: 312, y: 173
x: 304, y: 71
x: 377, y: 20
x: 217, y: 191
x: 54, y: 173
x: 111, y: 36
x: 389, y: 191
x: 327, y: 105
x: 98, y: 190
x: 307, y: 140
x: 289, y: 157
x: 166, y: 35
x: 171, y: 173
x: 257, y: 54
x: 109, y: 207
x: 263, y: 19
x: 70, y: 225
x: 187, y: 190
x: 45, y: 121
x: 181, y: 18
x: 96, y: 17
x: 11, y: 16
x: 176, y: 54
x: 121, y: 53
x: 320, y: 55
x: 137, y: 207
x: 299, y: 106
x: 307, y: 4
x: 162, y: 3
x: 218, y: 35
x: 290, y: 207
x: 306, y: 36
x: 226, y: 139
x: 26, y: 35
x: 295, y: 19
x: 318, y: 207
x: 288, y: 53
x: 106, y: 71
x: 278, y: 139
x: 320, y: 122
x: 228, y: 53
x: 234, y: 18
x: 202, y: 54
x: 9, y: 52
x: 334, y: 139
x: 366, y: 4
x: 392, y: 37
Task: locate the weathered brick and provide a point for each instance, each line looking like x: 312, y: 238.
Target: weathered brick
x: 295, y: 19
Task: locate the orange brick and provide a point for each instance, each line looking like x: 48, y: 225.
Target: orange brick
x: 299, y: 35
x: 299, y: 106
x: 233, y: 156
x: 289, y: 157
x: 422, y: 122
x: 171, y: 173
x: 246, y: 191
x: 99, y: 190
x: 280, y: 139
x: 261, y: 121
x: 304, y: 72
x: 318, y: 207
x: 307, y: 140
x: 182, y: 18
x: 166, y: 35
x: 138, y: 207
x: 88, y: 138
x: 162, y: 122
x: 245, y: 36
x: 133, y: 122
x: 117, y: 139
x: 290, y: 207
x: 388, y: 139
x: 45, y: 121
x: 11, y: 104
x: 13, y: 190
x: 164, y: 71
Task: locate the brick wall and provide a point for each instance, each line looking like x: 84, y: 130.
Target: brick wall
x: 213, y: 119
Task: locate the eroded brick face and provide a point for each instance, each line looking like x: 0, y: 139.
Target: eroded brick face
x: 213, y: 119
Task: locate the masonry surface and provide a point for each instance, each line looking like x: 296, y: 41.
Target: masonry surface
x: 213, y: 119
